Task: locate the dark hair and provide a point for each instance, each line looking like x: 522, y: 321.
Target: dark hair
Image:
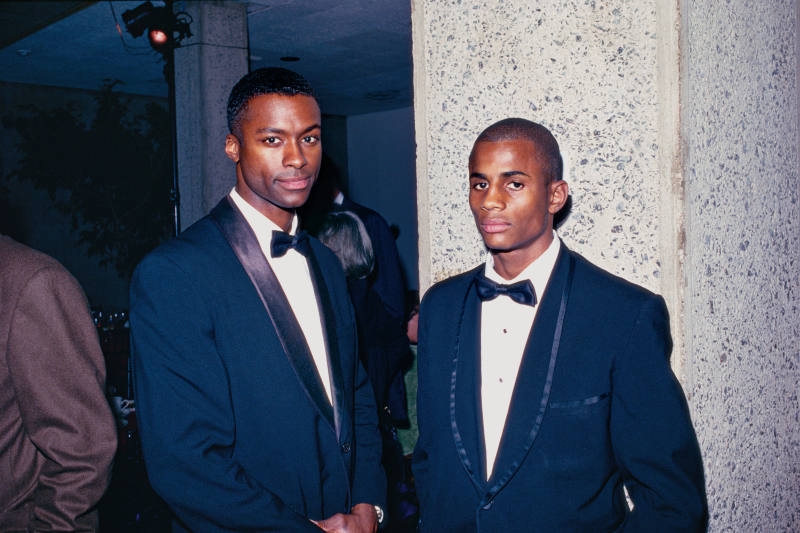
x: 511, y: 129
x: 345, y: 234
x: 271, y: 80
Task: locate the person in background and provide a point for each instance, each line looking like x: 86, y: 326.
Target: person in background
x: 346, y: 235
x: 545, y: 391
x: 57, y: 433
x: 385, y: 280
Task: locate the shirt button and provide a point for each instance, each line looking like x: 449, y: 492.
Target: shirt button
x: 345, y: 447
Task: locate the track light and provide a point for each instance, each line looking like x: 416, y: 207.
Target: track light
x: 165, y: 29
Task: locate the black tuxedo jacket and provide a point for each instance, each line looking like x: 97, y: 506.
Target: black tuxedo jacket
x: 236, y: 429
x: 595, y: 407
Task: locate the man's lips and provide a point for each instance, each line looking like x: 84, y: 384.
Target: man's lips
x: 295, y: 184
x: 494, y: 226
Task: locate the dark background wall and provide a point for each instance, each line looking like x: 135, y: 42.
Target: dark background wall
x: 382, y: 175
x: 374, y: 153
x: 28, y: 215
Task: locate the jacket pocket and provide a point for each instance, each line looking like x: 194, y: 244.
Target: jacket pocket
x: 579, y: 403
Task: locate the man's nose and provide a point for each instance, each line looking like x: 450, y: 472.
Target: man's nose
x: 293, y: 155
x: 494, y: 198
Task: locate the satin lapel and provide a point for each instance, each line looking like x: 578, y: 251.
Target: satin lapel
x: 465, y: 382
x: 243, y: 241
x: 331, y: 332
x: 532, y: 389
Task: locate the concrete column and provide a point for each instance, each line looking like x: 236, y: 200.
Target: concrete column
x: 740, y: 129
x: 206, y: 67
x: 679, y: 120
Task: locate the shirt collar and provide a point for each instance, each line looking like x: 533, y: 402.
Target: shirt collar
x: 339, y: 198
x: 538, y: 272
x: 262, y: 226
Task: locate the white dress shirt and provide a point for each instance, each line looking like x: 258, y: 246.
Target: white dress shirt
x: 505, y: 327
x: 295, y: 279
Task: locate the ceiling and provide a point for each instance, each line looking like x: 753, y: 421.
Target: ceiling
x: 355, y: 53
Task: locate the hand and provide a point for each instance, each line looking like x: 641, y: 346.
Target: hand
x: 411, y: 327
x: 362, y: 519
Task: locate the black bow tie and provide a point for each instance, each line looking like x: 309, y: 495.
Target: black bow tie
x: 521, y: 292
x: 282, y: 241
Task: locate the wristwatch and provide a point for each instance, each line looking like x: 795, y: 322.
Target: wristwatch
x: 380, y: 514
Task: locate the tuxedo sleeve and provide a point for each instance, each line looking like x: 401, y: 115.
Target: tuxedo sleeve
x: 58, y: 372
x: 652, y: 434
x: 369, y: 482
x: 185, y: 413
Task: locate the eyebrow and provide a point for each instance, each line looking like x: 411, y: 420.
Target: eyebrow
x: 507, y: 174
x: 278, y: 130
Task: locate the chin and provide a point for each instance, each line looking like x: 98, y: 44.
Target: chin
x: 494, y: 244
x: 296, y: 200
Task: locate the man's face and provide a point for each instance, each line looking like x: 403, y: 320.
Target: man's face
x: 511, y: 199
x: 277, y: 151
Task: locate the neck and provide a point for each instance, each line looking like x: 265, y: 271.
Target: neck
x: 509, y: 264
x: 281, y: 217
x: 283, y: 220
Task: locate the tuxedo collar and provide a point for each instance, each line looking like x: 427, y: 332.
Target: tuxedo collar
x: 245, y: 245
x: 262, y: 225
x: 532, y: 388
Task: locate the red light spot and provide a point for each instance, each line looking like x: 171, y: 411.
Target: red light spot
x: 158, y: 37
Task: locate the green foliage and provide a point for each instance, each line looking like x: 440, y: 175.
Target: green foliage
x: 112, y: 176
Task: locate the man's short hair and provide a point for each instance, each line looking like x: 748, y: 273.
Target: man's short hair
x: 271, y: 80
x: 511, y: 129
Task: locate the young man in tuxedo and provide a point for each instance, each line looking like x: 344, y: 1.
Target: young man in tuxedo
x: 255, y: 413
x: 545, y: 391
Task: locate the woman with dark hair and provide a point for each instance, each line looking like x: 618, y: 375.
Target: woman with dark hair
x: 345, y: 234
x: 379, y: 338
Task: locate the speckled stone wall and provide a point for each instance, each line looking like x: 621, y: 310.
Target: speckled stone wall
x: 742, y: 318
x: 584, y: 69
x: 680, y: 123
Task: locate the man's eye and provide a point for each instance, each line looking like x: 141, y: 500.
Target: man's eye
x: 270, y: 140
x: 516, y: 185
x: 311, y: 139
x: 479, y: 186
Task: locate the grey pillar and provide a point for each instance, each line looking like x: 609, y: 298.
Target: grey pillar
x: 742, y: 169
x: 206, y: 67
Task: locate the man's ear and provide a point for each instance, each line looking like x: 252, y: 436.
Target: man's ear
x: 559, y: 192
x: 232, y: 147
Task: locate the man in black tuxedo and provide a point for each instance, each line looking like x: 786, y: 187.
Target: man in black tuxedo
x: 545, y: 391
x: 254, y: 411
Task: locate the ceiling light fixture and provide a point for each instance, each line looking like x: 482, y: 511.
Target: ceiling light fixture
x: 165, y: 29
